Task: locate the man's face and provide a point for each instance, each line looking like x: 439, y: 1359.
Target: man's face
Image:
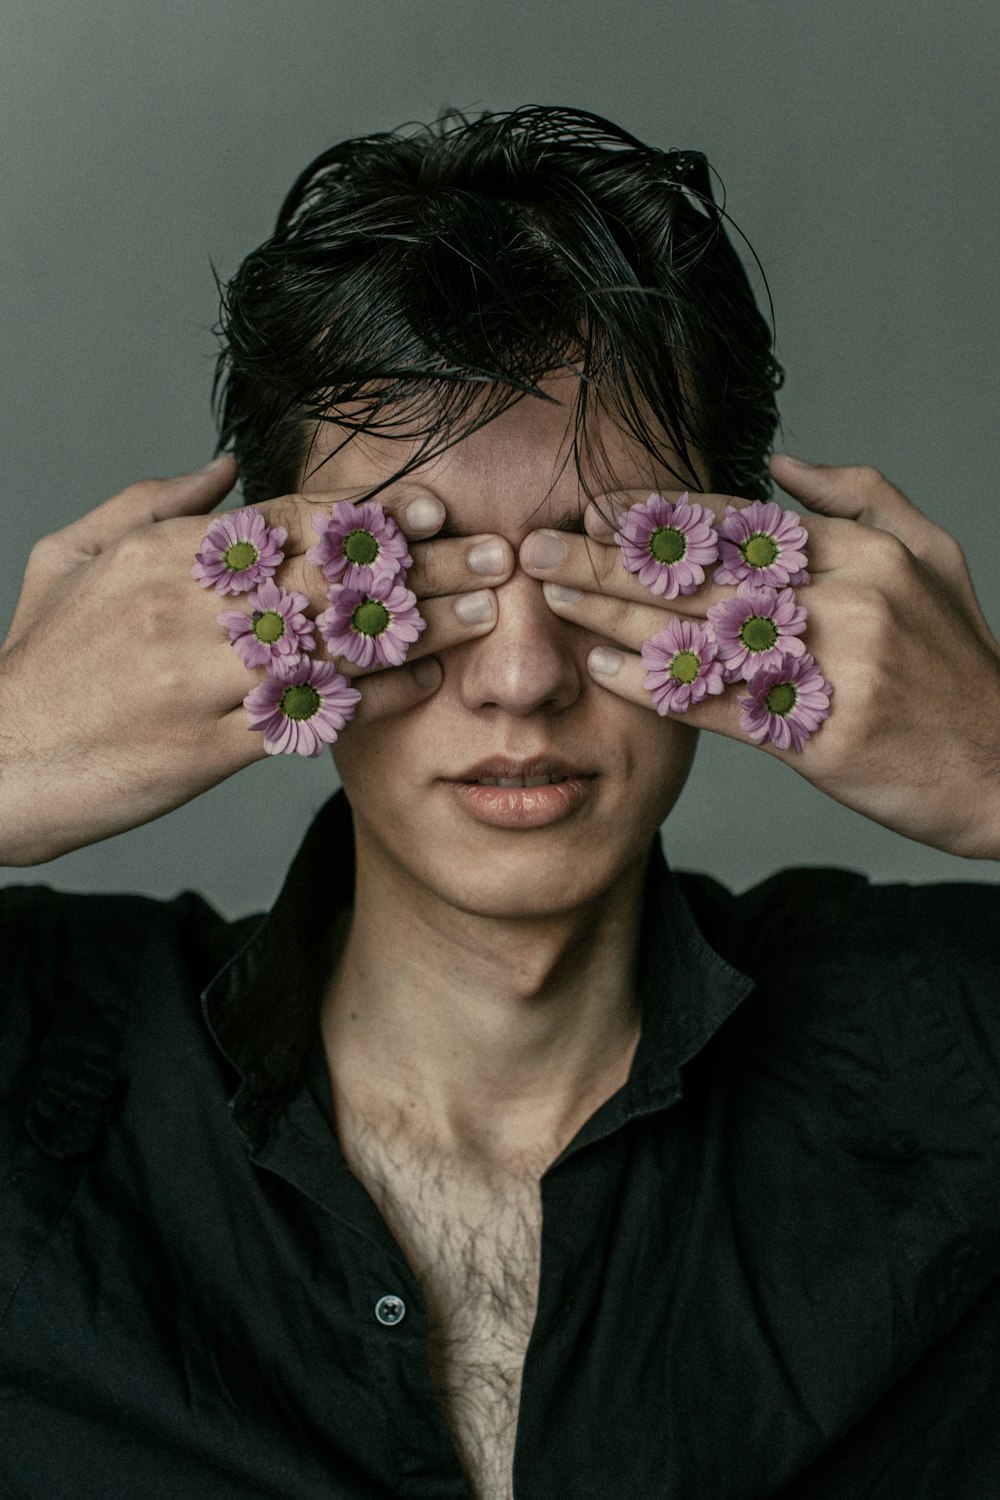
x: 516, y: 703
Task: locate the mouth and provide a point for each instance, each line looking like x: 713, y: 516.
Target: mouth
x: 522, y: 795
x: 505, y: 773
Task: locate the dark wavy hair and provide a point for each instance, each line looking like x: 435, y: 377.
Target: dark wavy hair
x: 428, y: 278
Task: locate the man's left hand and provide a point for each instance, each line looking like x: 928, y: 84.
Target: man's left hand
x: 913, y: 738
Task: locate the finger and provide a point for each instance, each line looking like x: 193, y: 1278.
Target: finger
x: 857, y: 493
x: 449, y: 621
x: 396, y: 690
x: 619, y: 620
x: 603, y: 514
x: 623, y: 673
x: 830, y: 544
x: 416, y: 509
x: 440, y: 569
x: 595, y: 567
x: 456, y: 566
x: 382, y: 694
x: 148, y: 501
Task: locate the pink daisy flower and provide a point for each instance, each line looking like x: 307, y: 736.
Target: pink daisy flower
x: 683, y: 666
x: 359, y: 543
x: 762, y: 542
x: 304, y: 711
x: 276, y: 635
x: 239, y: 552
x: 786, y: 703
x: 755, y: 628
x: 372, y: 628
x: 667, y: 543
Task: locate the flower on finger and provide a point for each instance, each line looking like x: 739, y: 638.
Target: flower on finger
x: 682, y: 665
x: 358, y: 544
x: 764, y: 543
x: 276, y: 634
x: 239, y: 552
x: 785, y: 703
x: 756, y: 628
x: 668, y: 544
x: 372, y: 628
x: 300, y: 713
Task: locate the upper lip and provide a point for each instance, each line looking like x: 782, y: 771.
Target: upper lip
x: 510, y: 769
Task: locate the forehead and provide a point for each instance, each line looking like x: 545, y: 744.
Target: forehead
x: 514, y: 474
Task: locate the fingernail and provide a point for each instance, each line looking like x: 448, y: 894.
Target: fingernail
x: 427, y: 672
x: 425, y: 514
x: 543, y: 549
x: 475, y: 609
x: 558, y: 593
x: 599, y: 526
x: 488, y: 558
x: 605, y: 662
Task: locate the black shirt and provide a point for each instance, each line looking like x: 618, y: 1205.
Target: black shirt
x: 769, y: 1267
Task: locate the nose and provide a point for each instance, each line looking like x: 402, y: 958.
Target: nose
x: 530, y: 661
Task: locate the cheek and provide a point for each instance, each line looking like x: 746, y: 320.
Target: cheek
x: 664, y: 752
x: 368, y: 755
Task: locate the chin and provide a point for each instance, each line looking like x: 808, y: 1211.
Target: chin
x: 538, y: 895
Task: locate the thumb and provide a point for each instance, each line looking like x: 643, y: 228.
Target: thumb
x: 184, y: 494
x: 855, y: 492
x: 821, y: 487
x: 150, y: 500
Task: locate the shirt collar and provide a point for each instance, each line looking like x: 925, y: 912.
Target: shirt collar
x: 262, y: 1006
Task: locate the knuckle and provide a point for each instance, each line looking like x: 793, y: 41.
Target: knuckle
x: 947, y: 553
x: 283, y: 510
x: 874, y: 617
x: 882, y: 553
x: 133, y: 552
x: 866, y: 478
x: 48, y: 552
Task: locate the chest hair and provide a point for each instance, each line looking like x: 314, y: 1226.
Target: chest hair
x: 471, y: 1234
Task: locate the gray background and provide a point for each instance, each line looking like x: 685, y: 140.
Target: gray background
x: 857, y: 143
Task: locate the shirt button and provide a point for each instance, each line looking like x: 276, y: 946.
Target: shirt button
x: 390, y: 1310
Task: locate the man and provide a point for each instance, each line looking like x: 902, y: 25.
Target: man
x: 498, y: 1160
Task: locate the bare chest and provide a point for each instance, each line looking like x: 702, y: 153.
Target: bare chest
x: 472, y: 1238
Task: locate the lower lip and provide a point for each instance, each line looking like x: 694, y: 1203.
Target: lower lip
x: 523, y: 806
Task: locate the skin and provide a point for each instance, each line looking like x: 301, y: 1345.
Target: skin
x: 108, y: 606
x: 513, y: 1014
x: 895, y: 626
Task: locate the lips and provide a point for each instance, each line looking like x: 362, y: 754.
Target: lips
x: 509, y: 773
x: 522, y: 795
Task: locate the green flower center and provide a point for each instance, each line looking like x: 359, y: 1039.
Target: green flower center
x: 668, y: 544
x: 759, y: 633
x: 360, y: 547
x: 239, y: 556
x: 759, y: 550
x: 300, y: 702
x: 684, y: 667
x: 268, y: 626
x: 370, y: 618
x: 781, y: 699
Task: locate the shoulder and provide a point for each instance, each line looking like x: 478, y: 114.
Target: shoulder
x: 53, y: 938
x: 876, y: 1009
x: 805, y: 920
x: 75, y: 967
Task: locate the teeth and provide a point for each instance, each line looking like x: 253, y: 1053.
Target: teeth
x: 520, y: 780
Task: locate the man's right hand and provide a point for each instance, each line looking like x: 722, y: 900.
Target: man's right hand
x: 120, y: 695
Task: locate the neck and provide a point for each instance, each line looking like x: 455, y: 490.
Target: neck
x: 496, y: 1037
